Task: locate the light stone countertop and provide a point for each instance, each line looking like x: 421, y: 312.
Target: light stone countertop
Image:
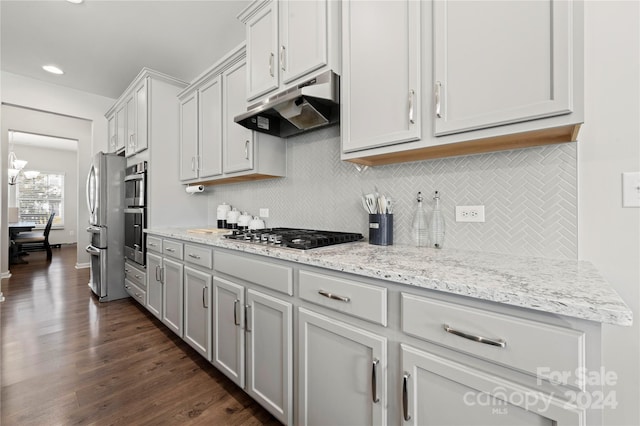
x: 564, y: 287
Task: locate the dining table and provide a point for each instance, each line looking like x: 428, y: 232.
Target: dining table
x: 16, y: 228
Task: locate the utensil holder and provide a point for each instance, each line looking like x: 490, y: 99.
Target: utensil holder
x: 381, y: 229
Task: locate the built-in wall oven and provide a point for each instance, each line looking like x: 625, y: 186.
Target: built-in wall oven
x: 135, y: 214
x: 134, y: 223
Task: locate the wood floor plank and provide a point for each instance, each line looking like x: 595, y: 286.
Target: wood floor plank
x: 67, y: 359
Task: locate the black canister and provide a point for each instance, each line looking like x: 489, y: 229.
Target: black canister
x: 381, y: 229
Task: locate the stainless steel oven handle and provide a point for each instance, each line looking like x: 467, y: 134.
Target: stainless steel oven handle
x: 134, y: 177
x: 92, y: 250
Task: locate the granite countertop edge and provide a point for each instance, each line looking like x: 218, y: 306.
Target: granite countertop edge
x: 558, y: 286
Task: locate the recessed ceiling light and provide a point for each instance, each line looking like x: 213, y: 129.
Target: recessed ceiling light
x: 75, y: 1
x: 52, y: 69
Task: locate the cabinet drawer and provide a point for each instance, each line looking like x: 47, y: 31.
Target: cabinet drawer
x: 269, y: 275
x: 360, y: 300
x: 529, y: 346
x: 135, y: 275
x: 202, y: 256
x: 136, y: 292
x: 172, y: 249
x: 154, y: 244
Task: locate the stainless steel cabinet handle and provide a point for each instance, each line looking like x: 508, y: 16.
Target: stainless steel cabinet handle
x: 193, y: 164
x: 246, y: 150
x: 282, y: 54
x: 152, y: 244
x: 157, y: 272
x: 405, y: 397
x: 138, y: 295
x: 247, y: 318
x: 127, y: 287
x: 170, y: 250
x: 193, y: 256
x: 411, y: 95
x: 162, y: 274
x: 271, y: 56
x: 235, y: 312
x: 438, y: 88
x: 374, y: 380
x: 138, y: 276
x: 204, y: 300
x: 334, y: 296
x: 493, y: 342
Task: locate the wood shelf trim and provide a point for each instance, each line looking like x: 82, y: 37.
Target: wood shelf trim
x: 555, y: 135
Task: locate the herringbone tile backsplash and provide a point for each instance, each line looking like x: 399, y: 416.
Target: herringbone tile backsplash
x: 530, y: 195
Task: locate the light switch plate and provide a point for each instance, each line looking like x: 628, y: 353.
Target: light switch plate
x: 631, y: 189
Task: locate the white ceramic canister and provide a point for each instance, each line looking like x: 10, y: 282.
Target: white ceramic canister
x: 221, y: 214
x: 232, y: 219
x: 256, y: 223
x: 243, y: 221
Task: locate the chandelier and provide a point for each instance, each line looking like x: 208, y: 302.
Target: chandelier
x: 16, y: 166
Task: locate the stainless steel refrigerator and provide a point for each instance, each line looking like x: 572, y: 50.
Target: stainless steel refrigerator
x: 105, y: 200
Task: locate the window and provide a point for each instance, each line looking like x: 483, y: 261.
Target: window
x: 39, y: 197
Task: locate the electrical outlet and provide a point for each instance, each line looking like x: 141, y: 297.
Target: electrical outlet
x: 264, y: 212
x: 469, y: 213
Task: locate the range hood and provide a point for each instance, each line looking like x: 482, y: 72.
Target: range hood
x: 309, y: 105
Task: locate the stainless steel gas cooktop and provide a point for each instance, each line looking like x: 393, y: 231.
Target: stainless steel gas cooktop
x: 302, y: 239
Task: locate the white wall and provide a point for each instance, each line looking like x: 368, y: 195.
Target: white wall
x: 609, y: 235
x: 61, y: 161
x: 40, y: 96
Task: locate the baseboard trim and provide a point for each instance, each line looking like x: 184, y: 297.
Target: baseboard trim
x: 6, y: 274
x: 83, y: 265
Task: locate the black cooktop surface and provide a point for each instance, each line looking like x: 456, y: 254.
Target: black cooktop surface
x: 303, y: 239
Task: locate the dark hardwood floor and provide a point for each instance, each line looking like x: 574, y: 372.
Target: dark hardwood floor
x: 69, y: 360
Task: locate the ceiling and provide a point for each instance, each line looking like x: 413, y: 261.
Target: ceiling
x: 103, y: 44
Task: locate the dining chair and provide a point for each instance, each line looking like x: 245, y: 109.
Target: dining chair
x: 36, y: 240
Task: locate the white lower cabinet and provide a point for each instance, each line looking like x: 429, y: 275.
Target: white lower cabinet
x: 197, y: 310
x: 154, y: 284
x: 367, y: 352
x: 252, y: 334
x: 173, y: 290
x: 441, y: 392
x: 341, y: 373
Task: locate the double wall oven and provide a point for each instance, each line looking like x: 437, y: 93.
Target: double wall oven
x: 135, y: 212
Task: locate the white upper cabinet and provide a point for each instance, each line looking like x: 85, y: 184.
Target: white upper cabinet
x: 288, y: 40
x: 136, y: 104
x: 213, y: 147
x: 189, y: 136
x: 210, y: 136
x: 262, y: 48
x: 303, y: 38
x: 381, y: 91
x: 238, y: 140
x: 500, y: 62
x: 121, y: 126
x: 201, y: 131
x: 442, y: 78
x: 111, y: 132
